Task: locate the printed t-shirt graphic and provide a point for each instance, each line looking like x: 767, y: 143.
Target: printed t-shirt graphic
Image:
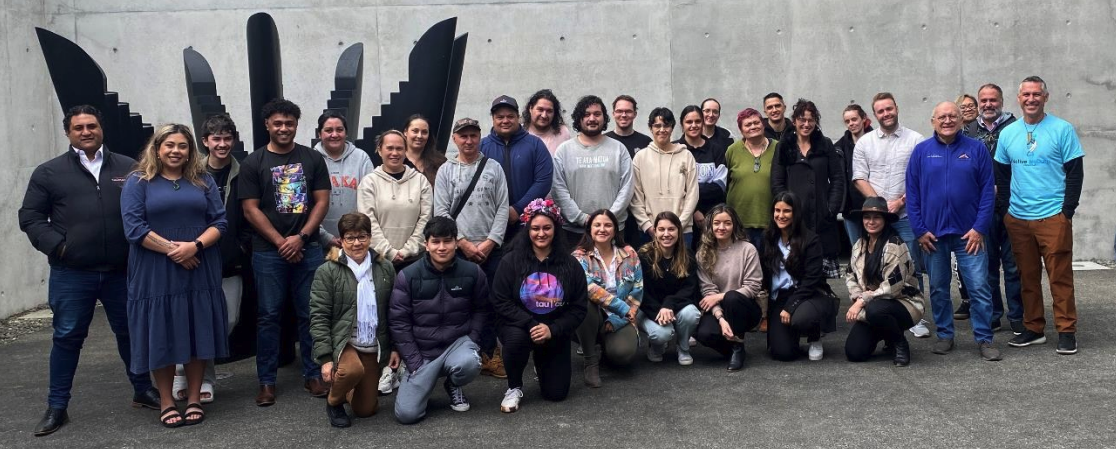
x: 290, y: 188
x: 541, y: 293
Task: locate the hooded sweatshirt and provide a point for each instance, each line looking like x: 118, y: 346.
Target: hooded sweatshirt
x: 398, y: 208
x: 485, y: 215
x: 591, y: 178
x: 665, y: 180
x: 345, y: 174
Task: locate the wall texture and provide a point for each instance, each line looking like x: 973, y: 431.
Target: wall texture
x: 663, y: 52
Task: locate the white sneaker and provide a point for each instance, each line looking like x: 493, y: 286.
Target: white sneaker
x: 920, y: 330
x: 684, y: 358
x: 816, y: 351
x: 693, y: 342
x: 580, y: 351
x: 511, y: 400
x: 389, y: 381
x: 655, y: 354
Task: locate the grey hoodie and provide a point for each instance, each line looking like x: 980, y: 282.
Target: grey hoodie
x: 485, y: 215
x: 591, y: 178
x: 345, y: 174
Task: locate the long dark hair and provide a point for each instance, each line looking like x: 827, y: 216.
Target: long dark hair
x: 873, y: 259
x: 431, y: 157
x: 587, y: 243
x: 655, y: 253
x: 521, y: 252
x: 545, y: 94
x: 772, y: 259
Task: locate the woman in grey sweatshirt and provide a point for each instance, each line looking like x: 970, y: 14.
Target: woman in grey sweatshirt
x: 347, y: 165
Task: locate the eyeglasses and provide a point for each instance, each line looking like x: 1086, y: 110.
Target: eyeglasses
x: 946, y: 118
x: 804, y: 120
x: 350, y: 239
x: 968, y: 107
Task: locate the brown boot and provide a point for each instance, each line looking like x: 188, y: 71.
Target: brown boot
x: 266, y: 396
x: 593, y: 370
x: 493, y: 366
x: 317, y: 387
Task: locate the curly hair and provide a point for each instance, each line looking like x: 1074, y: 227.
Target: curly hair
x: 581, y: 108
x: 149, y: 166
x: 707, y: 251
x: 545, y: 94
x: 282, y: 107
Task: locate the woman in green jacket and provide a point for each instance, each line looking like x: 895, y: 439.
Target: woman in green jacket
x: 348, y: 320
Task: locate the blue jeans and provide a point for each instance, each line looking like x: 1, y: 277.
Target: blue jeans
x: 903, y: 228
x: 971, y: 267
x: 276, y: 280
x: 684, y: 326
x: 487, y: 341
x: 852, y: 228
x: 1000, y: 255
x: 72, y: 295
x: 755, y: 236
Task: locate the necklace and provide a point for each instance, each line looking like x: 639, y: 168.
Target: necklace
x: 1030, y: 134
x: 174, y: 184
x: 756, y: 163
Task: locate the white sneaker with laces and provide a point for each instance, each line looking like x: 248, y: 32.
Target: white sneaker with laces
x: 389, y: 381
x: 511, y: 400
x: 816, y: 351
x: 920, y: 330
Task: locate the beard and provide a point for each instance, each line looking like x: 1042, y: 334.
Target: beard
x: 592, y: 132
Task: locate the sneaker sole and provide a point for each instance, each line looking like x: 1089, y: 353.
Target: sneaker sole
x: 1037, y: 341
x: 460, y: 408
x: 686, y: 362
x: 815, y: 359
x: 1066, y: 351
x: 509, y: 409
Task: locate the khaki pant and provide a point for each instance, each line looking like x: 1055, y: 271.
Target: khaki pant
x: 355, y: 378
x: 1048, y: 240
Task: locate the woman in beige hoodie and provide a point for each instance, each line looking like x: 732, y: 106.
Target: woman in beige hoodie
x: 665, y: 178
x: 398, y: 200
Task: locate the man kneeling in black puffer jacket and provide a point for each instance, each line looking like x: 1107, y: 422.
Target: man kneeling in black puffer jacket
x: 436, y: 316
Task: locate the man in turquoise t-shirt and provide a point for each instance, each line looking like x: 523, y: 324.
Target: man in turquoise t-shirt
x: 1039, y: 169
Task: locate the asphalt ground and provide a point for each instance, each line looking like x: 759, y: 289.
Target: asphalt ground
x: 1033, y: 398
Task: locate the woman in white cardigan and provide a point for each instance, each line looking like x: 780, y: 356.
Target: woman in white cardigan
x: 398, y: 200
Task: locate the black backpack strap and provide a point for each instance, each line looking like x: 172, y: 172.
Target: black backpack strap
x: 469, y: 190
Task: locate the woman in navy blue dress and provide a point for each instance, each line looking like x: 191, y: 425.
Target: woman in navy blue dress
x: 173, y: 218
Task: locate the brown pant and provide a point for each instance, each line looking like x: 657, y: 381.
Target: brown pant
x: 1047, y: 240
x: 355, y: 378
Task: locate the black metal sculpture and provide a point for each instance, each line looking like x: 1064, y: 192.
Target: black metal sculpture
x: 201, y: 88
x: 79, y: 80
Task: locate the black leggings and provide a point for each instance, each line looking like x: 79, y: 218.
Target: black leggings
x: 887, y: 319
x: 742, y: 314
x: 552, y: 361
x: 782, y: 339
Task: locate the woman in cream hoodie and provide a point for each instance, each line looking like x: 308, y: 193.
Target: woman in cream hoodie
x: 665, y: 178
x: 398, y: 200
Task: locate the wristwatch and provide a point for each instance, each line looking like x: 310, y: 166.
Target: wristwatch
x: 199, y: 244
x: 304, y: 236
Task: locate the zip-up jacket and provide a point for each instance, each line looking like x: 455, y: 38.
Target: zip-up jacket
x: 431, y: 308
x: 528, y: 165
x: 236, y: 242
x: 73, y: 218
x: 333, y: 305
x: 950, y: 188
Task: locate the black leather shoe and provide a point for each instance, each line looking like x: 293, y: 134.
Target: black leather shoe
x: 148, y: 399
x: 337, y: 415
x: 52, y: 421
x: 902, y: 352
x: 736, y: 361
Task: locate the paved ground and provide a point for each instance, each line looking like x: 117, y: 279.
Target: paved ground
x: 1034, y: 398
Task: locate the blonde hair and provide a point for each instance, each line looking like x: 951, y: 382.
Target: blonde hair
x: 150, y: 166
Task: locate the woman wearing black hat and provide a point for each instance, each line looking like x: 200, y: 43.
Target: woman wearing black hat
x: 885, y: 297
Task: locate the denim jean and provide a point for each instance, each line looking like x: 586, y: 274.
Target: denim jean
x: 852, y: 228
x: 487, y: 341
x: 276, y: 280
x: 903, y: 228
x: 1000, y: 256
x: 974, y: 269
x: 755, y: 236
x: 72, y: 295
x: 685, y: 323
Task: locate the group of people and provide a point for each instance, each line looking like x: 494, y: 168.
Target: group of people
x: 531, y: 237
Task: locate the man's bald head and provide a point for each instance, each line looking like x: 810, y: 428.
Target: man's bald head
x: 946, y: 120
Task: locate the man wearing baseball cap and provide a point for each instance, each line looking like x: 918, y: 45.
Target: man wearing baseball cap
x: 527, y: 164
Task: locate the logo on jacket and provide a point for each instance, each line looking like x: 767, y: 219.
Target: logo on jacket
x: 963, y: 156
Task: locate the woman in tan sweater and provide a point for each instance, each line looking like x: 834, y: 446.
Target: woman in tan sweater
x: 398, y: 200
x: 731, y: 285
x: 885, y: 297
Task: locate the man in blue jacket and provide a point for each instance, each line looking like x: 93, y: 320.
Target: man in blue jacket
x: 436, y: 316
x: 71, y: 213
x: 950, y: 199
x: 528, y: 166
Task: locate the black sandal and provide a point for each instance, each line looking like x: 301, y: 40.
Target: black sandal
x: 166, y: 416
x: 193, y: 409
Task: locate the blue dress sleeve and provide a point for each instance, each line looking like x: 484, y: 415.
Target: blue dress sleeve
x: 133, y: 209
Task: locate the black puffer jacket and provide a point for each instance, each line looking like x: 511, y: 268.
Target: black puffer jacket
x: 845, y: 146
x: 74, y: 218
x: 430, y: 309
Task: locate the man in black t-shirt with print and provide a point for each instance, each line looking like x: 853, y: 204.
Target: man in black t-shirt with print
x: 284, y: 191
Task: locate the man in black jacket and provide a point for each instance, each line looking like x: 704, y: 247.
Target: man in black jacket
x: 437, y: 314
x: 71, y: 213
x: 777, y: 126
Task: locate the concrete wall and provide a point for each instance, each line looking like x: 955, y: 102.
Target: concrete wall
x: 663, y: 52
